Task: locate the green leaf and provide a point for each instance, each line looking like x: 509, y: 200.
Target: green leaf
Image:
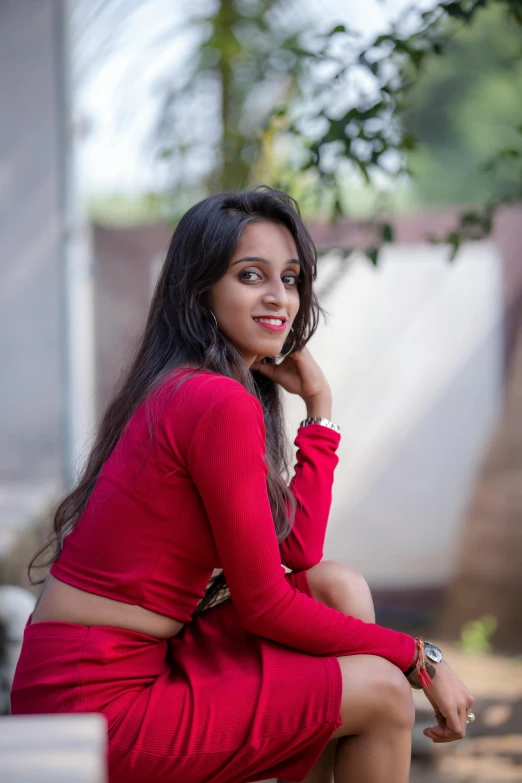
x: 471, y: 218
x: 475, y: 634
x: 373, y: 255
x: 364, y: 171
x: 407, y: 142
x: 387, y: 232
x: 453, y: 239
x: 456, y: 11
x: 381, y: 39
x: 339, y: 28
x: 337, y: 209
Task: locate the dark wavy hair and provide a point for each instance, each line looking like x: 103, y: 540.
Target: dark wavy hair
x: 181, y: 331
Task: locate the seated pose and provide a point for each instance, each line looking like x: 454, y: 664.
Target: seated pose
x: 168, y: 608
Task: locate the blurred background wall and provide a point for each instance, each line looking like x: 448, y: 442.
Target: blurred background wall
x: 31, y: 338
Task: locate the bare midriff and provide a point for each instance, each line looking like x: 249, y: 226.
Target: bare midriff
x: 63, y: 603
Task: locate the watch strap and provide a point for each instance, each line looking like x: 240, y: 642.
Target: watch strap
x: 320, y: 420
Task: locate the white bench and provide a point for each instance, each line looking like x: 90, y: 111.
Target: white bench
x: 53, y: 748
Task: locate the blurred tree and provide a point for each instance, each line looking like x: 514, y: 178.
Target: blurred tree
x: 466, y: 107
x: 246, y: 56
x: 411, y: 83
x: 266, y: 96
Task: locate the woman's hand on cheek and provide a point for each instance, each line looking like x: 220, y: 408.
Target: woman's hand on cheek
x: 298, y: 374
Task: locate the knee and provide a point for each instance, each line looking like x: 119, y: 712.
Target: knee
x: 376, y: 696
x: 341, y: 588
x: 393, y: 696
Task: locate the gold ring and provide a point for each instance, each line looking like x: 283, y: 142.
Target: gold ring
x: 471, y: 717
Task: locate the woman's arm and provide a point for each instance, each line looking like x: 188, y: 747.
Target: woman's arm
x: 226, y: 462
x: 316, y: 460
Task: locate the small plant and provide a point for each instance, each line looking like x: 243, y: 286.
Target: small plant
x: 475, y: 634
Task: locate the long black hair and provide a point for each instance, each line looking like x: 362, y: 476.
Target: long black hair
x: 180, y: 331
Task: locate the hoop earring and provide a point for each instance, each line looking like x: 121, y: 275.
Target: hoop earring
x: 284, y: 355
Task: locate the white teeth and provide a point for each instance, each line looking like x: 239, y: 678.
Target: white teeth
x: 274, y: 321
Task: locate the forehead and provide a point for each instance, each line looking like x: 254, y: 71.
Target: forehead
x: 266, y: 239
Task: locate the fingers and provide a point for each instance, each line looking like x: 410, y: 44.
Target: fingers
x: 453, y: 721
x: 463, y: 715
x: 441, y: 734
x: 451, y: 728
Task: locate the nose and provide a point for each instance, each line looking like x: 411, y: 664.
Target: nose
x: 277, y: 294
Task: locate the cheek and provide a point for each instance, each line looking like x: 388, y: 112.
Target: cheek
x: 237, y: 298
x: 224, y: 295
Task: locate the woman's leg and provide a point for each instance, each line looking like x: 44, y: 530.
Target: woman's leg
x: 378, y: 714
x: 347, y: 591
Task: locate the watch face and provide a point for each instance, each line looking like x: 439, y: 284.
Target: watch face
x: 432, y: 652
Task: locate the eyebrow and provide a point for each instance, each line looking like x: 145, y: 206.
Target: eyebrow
x: 264, y: 260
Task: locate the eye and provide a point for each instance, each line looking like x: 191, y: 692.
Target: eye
x: 242, y: 276
x: 247, y: 272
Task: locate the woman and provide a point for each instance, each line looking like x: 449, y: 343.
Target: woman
x: 290, y: 677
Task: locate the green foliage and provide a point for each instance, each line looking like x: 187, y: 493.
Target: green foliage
x: 246, y: 53
x: 457, y: 79
x: 475, y: 635
x: 438, y: 97
x: 465, y: 112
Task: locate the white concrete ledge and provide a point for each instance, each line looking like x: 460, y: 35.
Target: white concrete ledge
x: 53, y: 748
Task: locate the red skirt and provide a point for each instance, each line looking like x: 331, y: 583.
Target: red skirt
x: 214, y: 704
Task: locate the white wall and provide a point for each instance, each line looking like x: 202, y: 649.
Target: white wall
x: 30, y: 338
x: 413, y: 353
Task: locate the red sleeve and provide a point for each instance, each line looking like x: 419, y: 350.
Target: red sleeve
x: 316, y: 460
x: 226, y: 462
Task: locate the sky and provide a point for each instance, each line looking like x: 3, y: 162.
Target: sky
x: 115, y: 94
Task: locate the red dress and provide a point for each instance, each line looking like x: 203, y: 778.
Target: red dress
x: 251, y: 688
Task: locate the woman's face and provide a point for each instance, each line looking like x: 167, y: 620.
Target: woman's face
x: 261, y: 281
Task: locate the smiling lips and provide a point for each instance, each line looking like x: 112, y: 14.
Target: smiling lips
x: 273, y: 324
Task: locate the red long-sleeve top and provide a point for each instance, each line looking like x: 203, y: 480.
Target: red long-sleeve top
x: 168, y: 509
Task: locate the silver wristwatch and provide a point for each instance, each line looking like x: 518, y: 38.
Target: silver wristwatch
x: 320, y: 420
x: 433, y: 652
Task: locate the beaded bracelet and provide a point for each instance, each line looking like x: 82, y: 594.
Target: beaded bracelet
x: 421, y: 665
x: 320, y: 420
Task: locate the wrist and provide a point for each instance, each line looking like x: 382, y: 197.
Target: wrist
x: 320, y: 406
x: 421, y: 673
x: 413, y: 664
